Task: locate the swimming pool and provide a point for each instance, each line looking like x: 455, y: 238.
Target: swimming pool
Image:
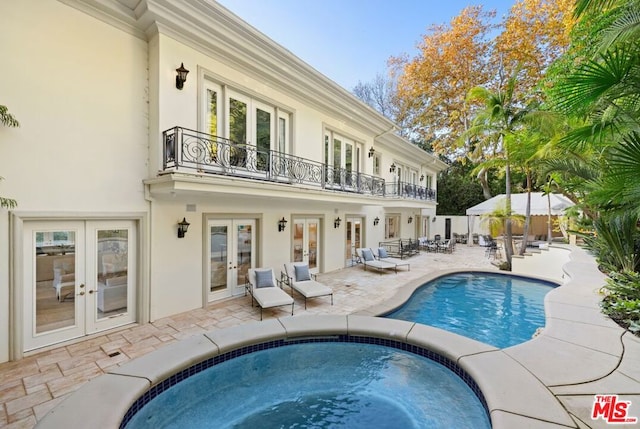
x: 500, y: 310
x: 321, y: 384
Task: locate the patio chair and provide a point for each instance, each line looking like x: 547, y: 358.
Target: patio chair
x: 266, y: 290
x: 381, y: 254
x: 447, y: 246
x: 299, y: 278
x: 366, y: 258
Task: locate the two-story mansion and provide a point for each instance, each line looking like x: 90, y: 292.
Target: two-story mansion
x: 138, y: 114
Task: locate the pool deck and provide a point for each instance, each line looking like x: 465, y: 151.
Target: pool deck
x: 548, y: 382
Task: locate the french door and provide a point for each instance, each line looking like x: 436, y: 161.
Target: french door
x: 231, y: 244
x: 354, y: 235
x: 79, y: 279
x: 306, y: 243
x: 343, y: 155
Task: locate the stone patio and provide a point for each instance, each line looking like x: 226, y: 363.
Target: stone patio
x: 580, y: 353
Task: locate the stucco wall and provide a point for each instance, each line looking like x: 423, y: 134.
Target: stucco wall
x: 79, y: 89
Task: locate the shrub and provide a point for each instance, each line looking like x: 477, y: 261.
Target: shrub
x: 622, y: 302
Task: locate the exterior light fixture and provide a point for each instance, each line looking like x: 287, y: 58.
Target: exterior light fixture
x: 336, y: 222
x: 181, y: 76
x: 282, y: 223
x: 422, y: 177
x: 392, y: 168
x: 371, y: 151
x: 410, y: 219
x: 376, y: 221
x: 183, y: 227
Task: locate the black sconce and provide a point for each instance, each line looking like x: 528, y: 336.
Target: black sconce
x: 336, y: 222
x: 371, y: 151
x: 422, y: 177
x: 392, y: 168
x: 181, y: 77
x: 281, y: 224
x: 183, y: 227
x: 376, y: 221
x: 410, y: 219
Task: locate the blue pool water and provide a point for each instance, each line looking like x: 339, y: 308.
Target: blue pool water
x: 499, y: 310
x: 318, y: 385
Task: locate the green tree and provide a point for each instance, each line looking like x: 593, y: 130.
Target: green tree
x: 7, y: 120
x: 603, y: 93
x: 457, y: 189
x: 500, y: 126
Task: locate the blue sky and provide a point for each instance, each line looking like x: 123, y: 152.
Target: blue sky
x: 351, y: 40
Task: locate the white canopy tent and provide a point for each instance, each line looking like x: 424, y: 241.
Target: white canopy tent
x: 539, y: 207
x: 539, y: 204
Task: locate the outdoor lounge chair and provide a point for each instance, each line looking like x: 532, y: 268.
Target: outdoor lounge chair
x: 366, y: 258
x: 266, y: 290
x: 298, y: 278
x: 381, y: 255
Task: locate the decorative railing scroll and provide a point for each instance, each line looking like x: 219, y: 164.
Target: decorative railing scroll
x: 205, y: 153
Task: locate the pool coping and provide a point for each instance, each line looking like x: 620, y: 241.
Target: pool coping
x: 540, y: 383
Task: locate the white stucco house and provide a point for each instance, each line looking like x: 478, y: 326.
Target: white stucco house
x: 267, y: 160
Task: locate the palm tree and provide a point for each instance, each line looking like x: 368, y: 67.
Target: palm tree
x: 604, y: 91
x: 496, y: 126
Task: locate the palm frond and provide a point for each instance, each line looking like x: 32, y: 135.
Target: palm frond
x: 595, y: 6
x: 625, y: 28
x: 595, y: 78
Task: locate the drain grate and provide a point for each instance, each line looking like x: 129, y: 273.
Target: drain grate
x: 114, y: 354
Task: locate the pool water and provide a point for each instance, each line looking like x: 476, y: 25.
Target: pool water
x: 318, y: 385
x: 496, y: 309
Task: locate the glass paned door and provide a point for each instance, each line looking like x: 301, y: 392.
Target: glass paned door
x: 305, y: 242
x: 354, y: 229
x: 232, y: 253
x: 53, y: 273
x: 263, y: 139
x: 238, y: 132
x: 79, y: 279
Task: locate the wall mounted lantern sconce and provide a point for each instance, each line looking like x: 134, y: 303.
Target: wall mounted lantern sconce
x: 183, y: 227
x: 371, y: 151
x: 376, y: 221
x: 281, y: 224
x: 433, y: 219
x: 336, y: 222
x: 181, y: 76
x: 410, y: 219
x: 422, y: 177
x: 392, y: 168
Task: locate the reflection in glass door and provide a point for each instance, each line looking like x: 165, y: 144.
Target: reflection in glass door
x: 354, y: 228
x: 305, y: 242
x: 232, y: 253
x: 79, y: 277
x: 112, y: 274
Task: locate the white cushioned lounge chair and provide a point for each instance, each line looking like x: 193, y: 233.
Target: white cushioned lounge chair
x: 381, y: 254
x: 366, y: 258
x: 266, y: 290
x: 300, y: 280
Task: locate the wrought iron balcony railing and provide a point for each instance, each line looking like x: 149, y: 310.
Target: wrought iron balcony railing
x: 205, y: 153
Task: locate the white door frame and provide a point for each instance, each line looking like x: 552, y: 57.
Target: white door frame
x: 302, y: 250
x: 83, y: 289
x: 352, y: 221
x: 230, y: 254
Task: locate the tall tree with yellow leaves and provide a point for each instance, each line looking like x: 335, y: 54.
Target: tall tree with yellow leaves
x: 535, y: 34
x: 432, y: 86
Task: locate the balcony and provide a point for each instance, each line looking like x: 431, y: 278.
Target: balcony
x: 185, y: 149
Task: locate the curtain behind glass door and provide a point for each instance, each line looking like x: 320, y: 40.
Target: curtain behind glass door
x: 218, y: 262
